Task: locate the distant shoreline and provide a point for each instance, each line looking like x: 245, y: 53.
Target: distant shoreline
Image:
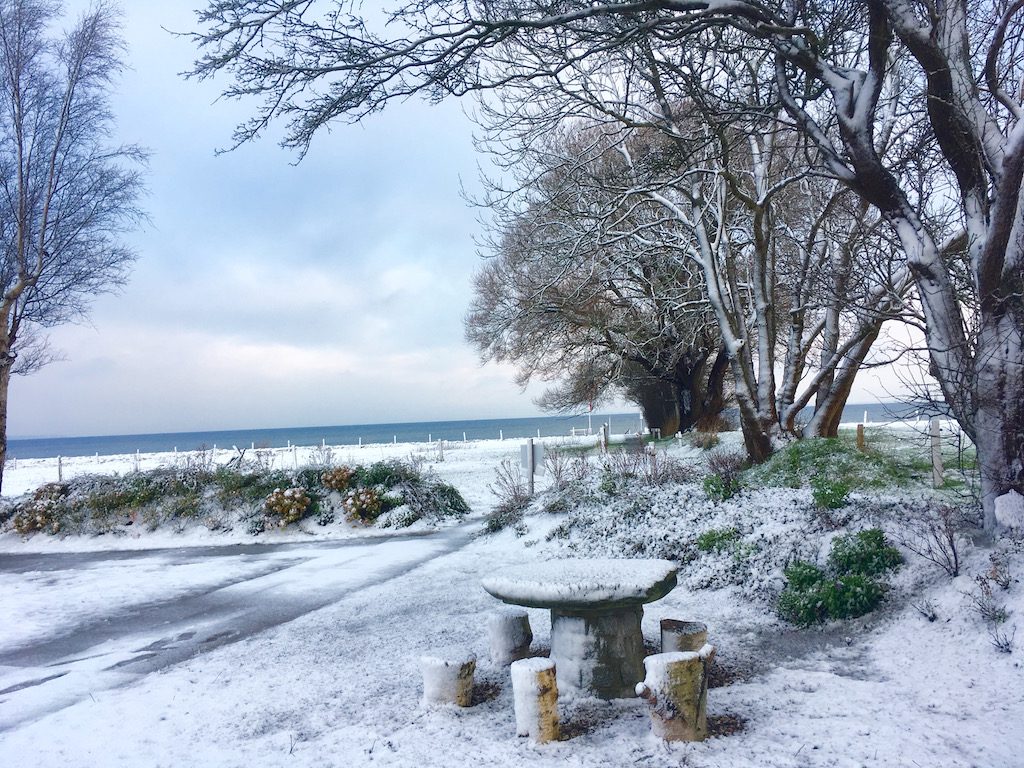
x: 355, y: 434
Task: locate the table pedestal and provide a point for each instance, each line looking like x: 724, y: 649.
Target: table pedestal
x: 599, y: 652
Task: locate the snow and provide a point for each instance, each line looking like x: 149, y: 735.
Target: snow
x: 1010, y: 510
x: 579, y: 583
x: 340, y: 683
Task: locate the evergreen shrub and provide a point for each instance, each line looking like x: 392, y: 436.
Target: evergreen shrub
x: 851, y: 586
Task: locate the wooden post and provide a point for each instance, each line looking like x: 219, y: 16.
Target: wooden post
x: 604, y: 437
x: 861, y: 444
x: 535, y: 698
x: 682, y: 635
x: 60, y: 469
x: 936, y: 435
x: 676, y: 689
x: 509, y: 634
x: 448, y: 677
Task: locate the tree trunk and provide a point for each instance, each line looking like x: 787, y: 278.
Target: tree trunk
x: 999, y: 405
x: 5, y: 383
x: 676, y: 690
x: 713, y: 398
x: 756, y: 438
x: 659, y: 404
x: 830, y: 402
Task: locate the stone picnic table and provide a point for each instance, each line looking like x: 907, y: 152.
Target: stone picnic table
x: 596, y: 608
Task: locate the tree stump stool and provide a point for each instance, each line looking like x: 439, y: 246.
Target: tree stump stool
x: 676, y: 689
x: 535, y: 695
x: 448, y: 677
x: 510, y: 635
x: 682, y: 635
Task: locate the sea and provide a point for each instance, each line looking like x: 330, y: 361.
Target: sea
x: 367, y: 434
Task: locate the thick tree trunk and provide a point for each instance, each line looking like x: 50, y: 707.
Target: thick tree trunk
x: 999, y: 406
x: 713, y: 398
x: 756, y: 437
x: 659, y: 404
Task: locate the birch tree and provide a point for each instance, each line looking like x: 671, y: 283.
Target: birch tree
x: 831, y: 63
x: 66, y: 194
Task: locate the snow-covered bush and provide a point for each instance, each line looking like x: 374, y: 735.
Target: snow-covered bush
x: 513, y: 496
x: 362, y: 505
x: 42, y: 511
x: 287, y: 506
x: 337, y: 479
x: 764, y: 531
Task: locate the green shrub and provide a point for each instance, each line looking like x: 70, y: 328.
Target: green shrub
x: 802, y: 575
x: 448, y: 502
x: 829, y: 494
x: 844, y: 597
x: 608, y: 485
x: 386, y: 474
x: 235, y: 486
x: 847, y: 589
x: 718, y: 488
x: 866, y: 552
x: 717, y: 539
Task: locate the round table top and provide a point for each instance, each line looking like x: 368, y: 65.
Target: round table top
x: 583, y: 584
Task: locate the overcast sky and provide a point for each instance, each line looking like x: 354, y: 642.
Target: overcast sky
x: 274, y: 295
x: 267, y: 294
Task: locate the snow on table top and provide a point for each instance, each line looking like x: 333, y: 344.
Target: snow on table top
x: 599, y: 583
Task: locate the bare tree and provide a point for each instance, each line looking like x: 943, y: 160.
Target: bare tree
x: 67, y: 194
x: 831, y: 62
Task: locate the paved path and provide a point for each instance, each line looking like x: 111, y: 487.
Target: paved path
x: 256, y: 587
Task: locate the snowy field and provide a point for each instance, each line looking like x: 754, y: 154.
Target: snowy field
x: 331, y: 675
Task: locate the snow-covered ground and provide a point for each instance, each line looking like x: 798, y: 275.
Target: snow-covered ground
x: 340, y: 685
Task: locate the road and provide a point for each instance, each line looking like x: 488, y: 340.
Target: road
x: 234, y: 592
